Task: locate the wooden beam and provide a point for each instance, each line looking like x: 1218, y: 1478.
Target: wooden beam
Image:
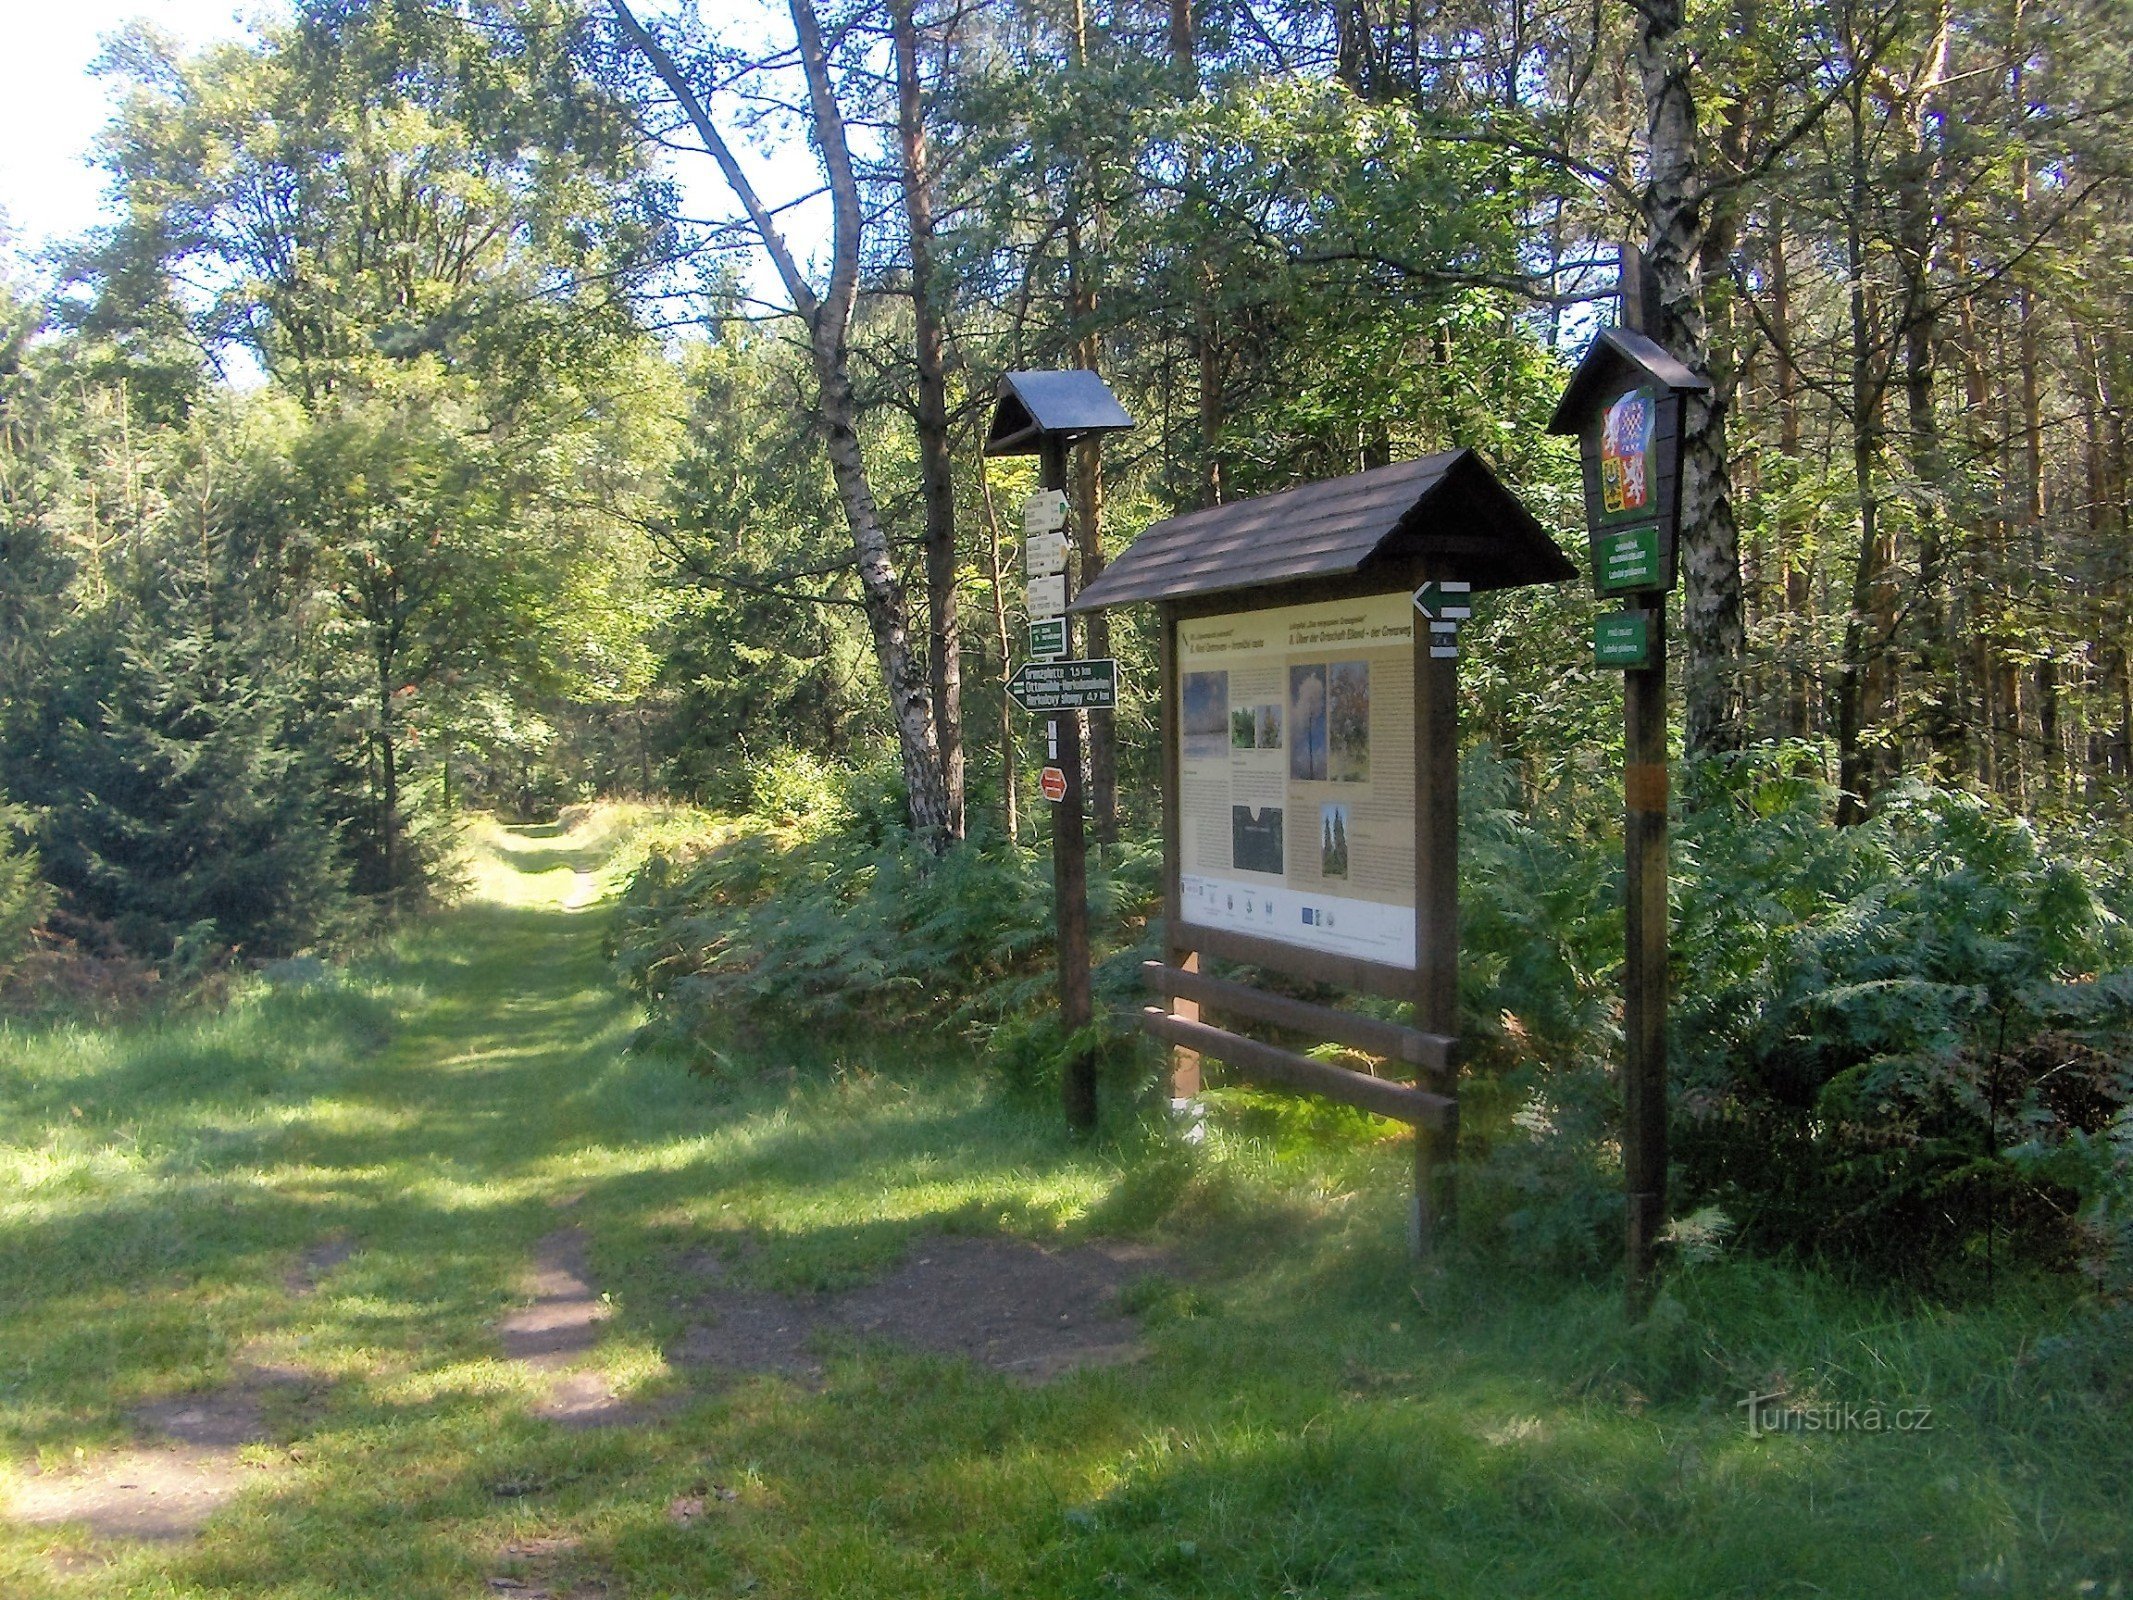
x: 1645, y: 910
x: 1430, y: 1051
x: 1070, y: 870
x: 1436, y: 976
x: 1184, y: 1065
x: 1318, y: 966
x: 1386, y: 1099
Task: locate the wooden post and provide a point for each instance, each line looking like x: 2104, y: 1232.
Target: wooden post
x: 1070, y: 871
x: 1644, y: 979
x: 1436, y: 686
x: 1184, y: 1063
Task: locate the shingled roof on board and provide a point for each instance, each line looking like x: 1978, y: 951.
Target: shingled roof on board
x: 1071, y: 404
x: 1447, y: 505
x: 1618, y: 350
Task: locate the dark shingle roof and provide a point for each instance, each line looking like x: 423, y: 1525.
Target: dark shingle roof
x: 1073, y: 404
x: 1447, y: 505
x: 1617, y: 350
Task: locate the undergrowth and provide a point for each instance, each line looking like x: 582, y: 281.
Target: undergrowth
x: 1902, y: 1047
x: 820, y: 914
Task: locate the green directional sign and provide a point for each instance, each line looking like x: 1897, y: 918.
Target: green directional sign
x: 1626, y: 560
x: 1065, y: 685
x: 1047, y: 639
x: 1622, y: 640
x: 1445, y: 602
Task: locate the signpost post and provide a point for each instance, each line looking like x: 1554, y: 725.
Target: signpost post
x: 1070, y: 840
x: 1041, y: 414
x: 1625, y: 405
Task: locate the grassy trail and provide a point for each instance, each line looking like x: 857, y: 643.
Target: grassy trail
x: 324, y: 1203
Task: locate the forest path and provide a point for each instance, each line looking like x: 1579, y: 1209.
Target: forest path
x: 331, y: 1212
x: 414, y: 1281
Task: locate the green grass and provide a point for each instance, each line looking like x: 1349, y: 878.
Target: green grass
x: 1315, y: 1419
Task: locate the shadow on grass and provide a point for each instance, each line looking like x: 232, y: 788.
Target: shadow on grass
x: 1314, y: 1419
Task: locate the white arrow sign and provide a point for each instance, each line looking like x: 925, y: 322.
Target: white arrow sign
x: 1444, y: 601
x: 1044, y: 554
x: 1045, y: 511
x: 1047, y: 598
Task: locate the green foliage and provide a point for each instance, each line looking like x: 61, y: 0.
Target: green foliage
x: 184, y: 804
x: 148, y: 705
x: 1901, y: 1045
x: 826, y: 914
x: 351, y: 1173
x: 765, y: 651
x: 25, y: 899
x: 1872, y: 1021
x: 375, y: 185
x: 255, y: 645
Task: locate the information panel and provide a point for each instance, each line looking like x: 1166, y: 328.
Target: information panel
x: 1297, y: 775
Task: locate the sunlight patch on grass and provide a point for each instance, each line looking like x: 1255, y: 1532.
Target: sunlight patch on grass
x: 1311, y: 1418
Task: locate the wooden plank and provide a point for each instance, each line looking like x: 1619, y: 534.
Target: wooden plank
x: 1318, y: 966
x: 1436, y: 980
x: 1432, y: 1052
x: 1253, y: 1059
x: 1070, y: 882
x: 1184, y: 1064
x: 1644, y: 987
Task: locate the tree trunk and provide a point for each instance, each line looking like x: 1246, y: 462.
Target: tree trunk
x: 2109, y: 514
x: 1088, y: 491
x: 1207, y: 368
x: 1087, y: 485
x: 1204, y: 336
x: 887, y: 614
x: 1995, y: 747
x: 827, y: 316
x: 1710, y: 543
x: 936, y: 467
x: 1862, y: 672
x: 1917, y: 248
x: 1795, y: 657
x: 1009, y: 800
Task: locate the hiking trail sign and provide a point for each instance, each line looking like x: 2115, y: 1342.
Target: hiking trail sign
x: 1626, y: 403
x: 1044, y: 414
x: 1311, y: 775
x: 1066, y: 685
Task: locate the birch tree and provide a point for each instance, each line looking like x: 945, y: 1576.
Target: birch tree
x: 1674, y: 199
x: 826, y: 314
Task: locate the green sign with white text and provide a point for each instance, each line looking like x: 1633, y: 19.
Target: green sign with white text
x: 1622, y: 640
x: 1065, y: 685
x: 1047, y: 639
x: 1626, y: 560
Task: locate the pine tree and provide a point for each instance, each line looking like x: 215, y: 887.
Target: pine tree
x: 189, y: 806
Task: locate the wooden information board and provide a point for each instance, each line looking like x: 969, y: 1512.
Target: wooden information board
x: 1311, y: 775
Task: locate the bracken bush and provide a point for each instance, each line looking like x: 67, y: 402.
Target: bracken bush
x: 821, y: 913
x: 1901, y: 1045
x: 1891, y: 1039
